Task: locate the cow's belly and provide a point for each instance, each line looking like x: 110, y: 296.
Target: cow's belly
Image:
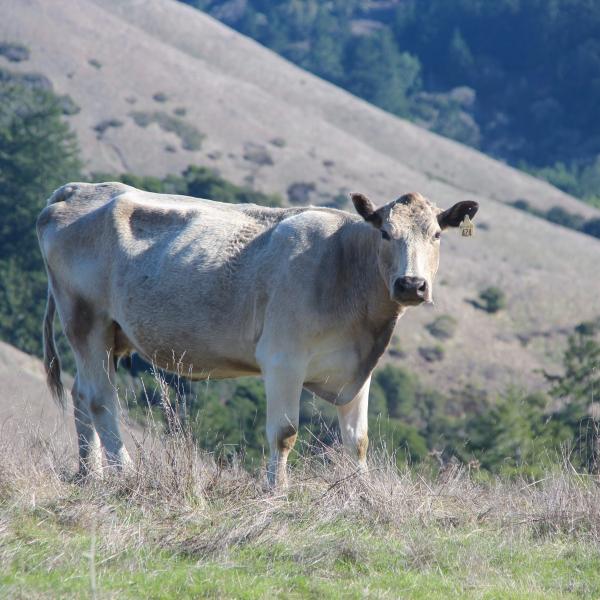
x: 180, y: 334
x: 190, y: 355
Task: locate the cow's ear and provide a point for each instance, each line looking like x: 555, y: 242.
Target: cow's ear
x: 366, y: 209
x: 455, y: 215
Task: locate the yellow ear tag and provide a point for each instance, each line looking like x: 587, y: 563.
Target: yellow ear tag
x: 467, y: 229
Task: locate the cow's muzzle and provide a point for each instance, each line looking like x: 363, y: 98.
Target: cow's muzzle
x: 411, y: 290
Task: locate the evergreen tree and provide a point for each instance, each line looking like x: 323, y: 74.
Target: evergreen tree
x: 380, y: 73
x: 38, y: 153
x: 578, y: 390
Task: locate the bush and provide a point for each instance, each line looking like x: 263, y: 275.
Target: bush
x: 514, y: 436
x: 399, y: 439
x: 232, y: 426
x: 443, y: 328
x: 101, y: 127
x: 493, y: 299
x: 191, y: 138
x: 592, y: 227
x: 432, y: 353
x: 257, y: 154
x: 14, y: 52
x: 300, y: 192
x: 563, y: 217
x: 68, y: 105
x: 400, y: 388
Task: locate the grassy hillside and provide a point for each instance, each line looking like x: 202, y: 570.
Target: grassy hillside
x: 517, y: 80
x: 159, y: 86
x: 184, y: 526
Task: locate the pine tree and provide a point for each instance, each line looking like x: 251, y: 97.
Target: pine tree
x: 38, y: 153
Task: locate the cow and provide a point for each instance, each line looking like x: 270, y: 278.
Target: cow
x: 308, y: 297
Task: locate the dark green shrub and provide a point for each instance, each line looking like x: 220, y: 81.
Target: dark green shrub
x: 257, y: 154
x: 432, y: 353
x: 398, y: 438
x: 443, y: 328
x: 68, y: 105
x: 14, y: 52
x: 400, y: 389
x: 563, y: 217
x: 191, y: 138
x: 592, y: 227
x: 492, y: 299
x: 101, y: 127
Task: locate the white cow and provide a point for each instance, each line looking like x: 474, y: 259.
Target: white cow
x: 306, y: 296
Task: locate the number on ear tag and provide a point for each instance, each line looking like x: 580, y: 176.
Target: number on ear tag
x: 467, y: 229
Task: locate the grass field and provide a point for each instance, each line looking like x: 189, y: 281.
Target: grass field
x: 184, y: 526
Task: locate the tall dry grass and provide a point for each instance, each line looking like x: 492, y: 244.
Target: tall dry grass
x: 184, y: 501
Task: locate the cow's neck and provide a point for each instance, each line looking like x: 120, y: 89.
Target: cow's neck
x: 371, y: 305
x: 358, y: 299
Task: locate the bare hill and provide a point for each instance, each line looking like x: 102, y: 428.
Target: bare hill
x: 161, y: 85
x: 25, y: 398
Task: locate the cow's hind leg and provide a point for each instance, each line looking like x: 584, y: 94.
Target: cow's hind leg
x: 90, y: 453
x: 353, y: 419
x: 97, y: 401
x: 283, y: 384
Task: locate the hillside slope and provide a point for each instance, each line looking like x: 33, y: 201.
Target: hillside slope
x: 25, y: 399
x: 151, y: 78
x: 27, y: 409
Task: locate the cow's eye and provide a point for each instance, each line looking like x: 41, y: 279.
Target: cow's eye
x: 438, y: 235
x: 385, y: 235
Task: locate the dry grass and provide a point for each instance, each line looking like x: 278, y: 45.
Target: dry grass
x: 182, y: 504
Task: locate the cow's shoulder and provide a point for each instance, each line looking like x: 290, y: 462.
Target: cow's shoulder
x: 313, y: 221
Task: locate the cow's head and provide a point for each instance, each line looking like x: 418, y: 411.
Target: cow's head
x: 409, y: 247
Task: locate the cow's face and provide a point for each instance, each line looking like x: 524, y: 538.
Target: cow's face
x: 409, y: 246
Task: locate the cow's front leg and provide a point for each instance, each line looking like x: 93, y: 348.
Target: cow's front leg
x: 353, y: 419
x: 283, y: 384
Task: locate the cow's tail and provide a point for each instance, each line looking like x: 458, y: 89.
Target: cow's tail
x: 51, y: 359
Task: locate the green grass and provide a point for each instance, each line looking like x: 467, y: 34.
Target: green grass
x: 46, y: 557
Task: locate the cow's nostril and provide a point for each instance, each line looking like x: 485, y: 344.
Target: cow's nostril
x: 422, y: 287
